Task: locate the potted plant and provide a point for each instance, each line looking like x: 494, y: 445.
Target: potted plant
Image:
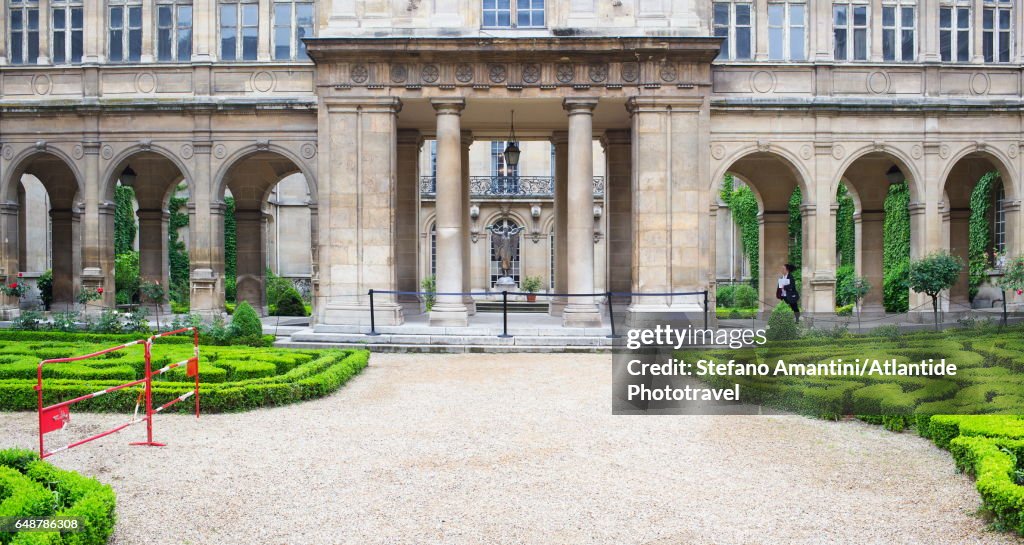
x: 531, y: 285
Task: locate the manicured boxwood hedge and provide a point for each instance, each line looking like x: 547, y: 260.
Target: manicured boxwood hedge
x: 233, y: 378
x: 985, y: 438
x: 33, y: 488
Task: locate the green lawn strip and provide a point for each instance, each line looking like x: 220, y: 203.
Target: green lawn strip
x: 32, y: 488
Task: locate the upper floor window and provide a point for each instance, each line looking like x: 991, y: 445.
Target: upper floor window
x: 239, y: 30
x: 24, y: 31
x: 433, y: 158
x: 513, y: 13
x: 899, y: 38
x: 125, y: 32
x: 293, y: 21
x: 996, y: 37
x: 850, y: 31
x: 955, y: 30
x: 498, y: 165
x: 174, y: 30
x: 734, y: 22
x: 66, y: 31
x: 787, y: 31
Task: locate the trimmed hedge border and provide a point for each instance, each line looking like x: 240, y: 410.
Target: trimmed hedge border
x: 30, y: 487
x: 232, y: 378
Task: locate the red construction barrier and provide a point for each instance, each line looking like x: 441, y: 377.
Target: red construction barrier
x: 56, y: 416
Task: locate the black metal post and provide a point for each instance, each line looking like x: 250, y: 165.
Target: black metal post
x: 504, y: 315
x: 705, y: 309
x: 1005, y: 321
x: 373, y: 320
x: 611, y: 315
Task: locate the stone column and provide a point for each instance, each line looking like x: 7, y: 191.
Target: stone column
x: 977, y: 35
x: 560, y: 141
x: 154, y: 263
x: 467, y: 225
x: 870, y: 249
x: 449, y: 310
x: 97, y: 244
x: 760, y: 16
x: 671, y: 198
x: 928, y: 30
x: 407, y: 217
x: 357, y: 167
x: 618, y: 198
x: 9, y: 256
x: 875, y: 31
x: 250, y: 264
x: 581, y: 311
x: 959, y: 245
x: 62, y: 260
x: 774, y: 249
x: 206, y: 237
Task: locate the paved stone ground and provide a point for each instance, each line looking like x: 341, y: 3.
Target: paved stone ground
x: 517, y: 449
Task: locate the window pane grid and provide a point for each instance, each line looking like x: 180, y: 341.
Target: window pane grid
x: 734, y: 21
x: 850, y: 31
x: 513, y: 13
x: 293, y: 21
x: 787, y: 24
x: 174, y: 32
x: 66, y: 22
x: 997, y: 31
x: 124, y: 32
x: 899, y: 40
x: 239, y: 30
x: 955, y: 32
x: 24, y: 32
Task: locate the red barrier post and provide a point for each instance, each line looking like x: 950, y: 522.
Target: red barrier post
x: 149, y: 398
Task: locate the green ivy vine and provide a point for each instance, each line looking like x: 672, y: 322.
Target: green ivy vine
x: 896, y: 249
x: 846, y: 244
x: 743, y: 204
x: 177, y: 253
x: 230, y: 249
x: 980, y: 233
x: 795, y: 255
x: 125, y: 226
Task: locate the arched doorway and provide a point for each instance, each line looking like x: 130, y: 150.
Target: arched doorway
x: 57, y: 178
x: 246, y: 189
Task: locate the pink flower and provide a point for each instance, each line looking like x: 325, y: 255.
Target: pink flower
x: 20, y: 275
x: 1019, y: 292
x: 13, y: 286
x: 99, y: 290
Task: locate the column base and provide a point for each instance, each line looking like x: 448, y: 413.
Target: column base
x: 470, y: 304
x: 338, y: 313
x: 7, y: 314
x: 588, y: 315
x: 449, y: 315
x: 557, y: 306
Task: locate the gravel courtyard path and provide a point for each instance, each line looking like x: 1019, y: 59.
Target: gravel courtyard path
x: 516, y: 449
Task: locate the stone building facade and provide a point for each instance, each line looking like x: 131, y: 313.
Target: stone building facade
x: 236, y: 96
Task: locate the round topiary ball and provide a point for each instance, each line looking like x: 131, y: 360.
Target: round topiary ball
x: 782, y: 324
x: 245, y: 322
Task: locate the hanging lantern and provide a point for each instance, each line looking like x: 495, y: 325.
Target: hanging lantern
x: 512, y: 152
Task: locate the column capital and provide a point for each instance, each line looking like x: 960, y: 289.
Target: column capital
x: 466, y: 138
x: 575, y: 105
x: 248, y: 215
x: 664, y: 104
x: 410, y: 137
x: 364, y: 104
x: 617, y: 137
x: 559, y: 138
x: 152, y: 214
x: 448, y: 106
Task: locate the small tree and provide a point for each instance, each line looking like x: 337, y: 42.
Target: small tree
x: 933, y: 274
x: 1013, y: 279
x: 855, y: 290
x: 245, y: 323
x: 156, y: 295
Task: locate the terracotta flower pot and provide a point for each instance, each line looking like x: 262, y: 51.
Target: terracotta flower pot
x: 531, y: 298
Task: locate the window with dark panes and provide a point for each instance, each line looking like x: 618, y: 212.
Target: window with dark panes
x: 997, y: 30
x: 124, y: 37
x: 293, y: 21
x: 734, y: 21
x: 850, y: 31
x: 239, y: 30
x: 66, y: 35
x: 23, y: 27
x: 787, y: 31
x: 899, y: 36
x: 955, y: 31
x: 174, y: 31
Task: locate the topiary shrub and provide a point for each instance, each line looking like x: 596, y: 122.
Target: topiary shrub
x: 782, y: 324
x: 744, y: 296
x: 290, y: 304
x: 844, y: 279
x: 45, y: 285
x: 245, y: 322
x: 724, y: 295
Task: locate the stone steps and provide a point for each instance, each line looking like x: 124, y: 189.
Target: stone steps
x: 442, y: 340
x: 518, y: 307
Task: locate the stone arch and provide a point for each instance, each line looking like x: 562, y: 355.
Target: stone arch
x: 117, y: 164
x: 868, y: 172
x: 63, y: 184
x: 251, y: 174
x: 960, y: 178
x: 772, y: 174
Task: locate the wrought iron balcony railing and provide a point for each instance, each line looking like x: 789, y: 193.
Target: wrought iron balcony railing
x: 507, y: 186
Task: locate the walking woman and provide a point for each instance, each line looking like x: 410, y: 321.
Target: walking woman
x: 787, y: 290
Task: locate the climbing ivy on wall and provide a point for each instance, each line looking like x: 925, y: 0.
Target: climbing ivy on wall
x: 796, y: 235
x: 176, y: 252
x: 846, y: 244
x: 230, y: 252
x: 896, y: 249
x: 125, y: 226
x: 743, y: 204
x: 980, y: 235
